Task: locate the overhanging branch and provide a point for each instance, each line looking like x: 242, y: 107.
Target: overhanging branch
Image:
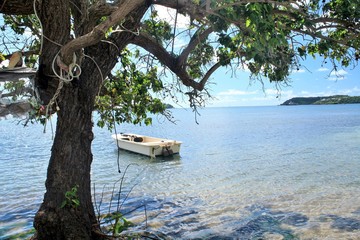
x: 184, y: 6
x: 198, y: 37
x: 178, y: 67
x: 99, y: 31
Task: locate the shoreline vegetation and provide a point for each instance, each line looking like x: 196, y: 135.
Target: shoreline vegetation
x: 336, y: 99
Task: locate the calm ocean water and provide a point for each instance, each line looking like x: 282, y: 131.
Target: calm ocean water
x: 280, y: 172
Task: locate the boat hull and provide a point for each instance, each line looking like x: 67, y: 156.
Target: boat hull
x: 145, y: 145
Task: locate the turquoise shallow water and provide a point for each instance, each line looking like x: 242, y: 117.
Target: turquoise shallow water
x: 243, y: 173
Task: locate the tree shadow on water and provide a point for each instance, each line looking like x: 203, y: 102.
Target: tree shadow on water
x: 261, y: 224
x: 348, y: 224
x: 357, y: 212
x: 179, y: 219
x: 264, y: 221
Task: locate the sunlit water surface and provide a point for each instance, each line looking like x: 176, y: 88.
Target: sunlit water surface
x: 243, y: 173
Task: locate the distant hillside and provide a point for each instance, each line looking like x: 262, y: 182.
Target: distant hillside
x: 336, y: 99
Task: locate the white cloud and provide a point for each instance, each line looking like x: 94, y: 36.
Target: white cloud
x: 306, y: 94
x: 298, y: 71
x: 233, y: 97
x: 355, y: 91
x: 234, y: 92
x: 339, y: 73
x: 182, y: 22
x: 323, y: 69
x: 168, y: 14
x: 280, y: 95
x: 272, y: 92
x: 228, y: 101
x: 338, y: 78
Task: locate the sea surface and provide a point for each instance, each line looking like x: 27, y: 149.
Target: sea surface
x: 278, y: 172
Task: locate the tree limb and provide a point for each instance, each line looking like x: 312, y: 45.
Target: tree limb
x: 16, y: 7
x: 99, y: 31
x: 186, y: 7
x: 198, y: 37
x: 147, y: 42
x: 100, y: 9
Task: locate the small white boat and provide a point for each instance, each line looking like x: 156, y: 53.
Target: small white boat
x: 145, y: 145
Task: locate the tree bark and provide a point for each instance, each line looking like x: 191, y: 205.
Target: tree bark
x: 71, y: 156
x: 69, y: 167
x: 16, y: 7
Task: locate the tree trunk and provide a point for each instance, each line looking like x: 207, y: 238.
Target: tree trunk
x: 69, y: 167
x: 71, y: 157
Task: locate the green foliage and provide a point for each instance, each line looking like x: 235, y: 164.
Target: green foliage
x: 260, y: 42
x: 17, y: 23
x: 15, y: 87
x: 118, y: 223
x: 266, y: 37
x: 270, y: 39
x: 31, y: 60
x: 343, y: 9
x: 37, y: 113
x: 128, y: 95
x: 114, y: 222
x: 159, y: 29
x: 2, y: 58
x: 200, y: 56
x: 71, y: 199
x: 22, y: 25
x: 336, y: 99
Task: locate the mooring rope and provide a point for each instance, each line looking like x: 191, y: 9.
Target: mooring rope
x: 117, y: 143
x: 66, y: 75
x: 41, y: 26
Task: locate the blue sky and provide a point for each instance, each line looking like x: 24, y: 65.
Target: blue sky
x: 313, y: 79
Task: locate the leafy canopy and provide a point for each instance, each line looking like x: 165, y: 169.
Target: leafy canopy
x: 127, y: 95
x: 270, y: 38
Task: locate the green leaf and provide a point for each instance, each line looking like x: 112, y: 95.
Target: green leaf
x: 248, y: 22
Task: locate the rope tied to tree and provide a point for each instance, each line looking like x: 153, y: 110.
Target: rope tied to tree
x: 66, y: 74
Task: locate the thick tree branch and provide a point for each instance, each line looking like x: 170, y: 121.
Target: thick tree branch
x: 99, y: 31
x: 198, y: 37
x: 80, y: 13
x: 104, y: 55
x: 209, y: 73
x: 100, y: 9
x: 186, y: 7
x: 16, y: 7
x: 150, y: 44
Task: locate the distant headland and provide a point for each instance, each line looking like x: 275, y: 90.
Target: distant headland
x: 336, y: 99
